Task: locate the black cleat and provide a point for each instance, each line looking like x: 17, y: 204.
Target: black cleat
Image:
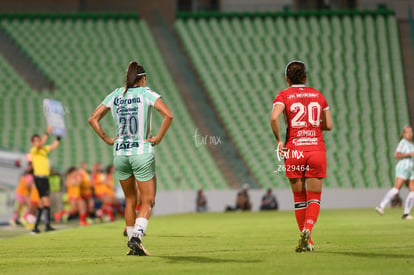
x: 125, y: 233
x: 49, y: 228
x: 133, y: 252
x: 137, y: 248
x: 35, y: 231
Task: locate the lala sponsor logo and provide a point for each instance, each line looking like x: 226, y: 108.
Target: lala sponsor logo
x: 126, y: 145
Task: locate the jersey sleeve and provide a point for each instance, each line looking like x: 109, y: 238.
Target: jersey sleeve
x: 400, y: 147
x: 324, y: 104
x: 108, y: 101
x: 280, y: 99
x: 47, y: 149
x: 151, y: 96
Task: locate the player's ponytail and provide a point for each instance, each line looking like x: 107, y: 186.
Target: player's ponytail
x: 134, y: 74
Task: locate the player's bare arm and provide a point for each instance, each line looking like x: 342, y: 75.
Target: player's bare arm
x: 168, y: 117
x: 327, y: 124
x: 96, y: 116
x: 275, y: 124
x: 399, y: 155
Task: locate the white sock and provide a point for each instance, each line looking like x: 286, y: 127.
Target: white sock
x: 409, y: 201
x: 140, y: 227
x: 390, y: 194
x: 129, y: 229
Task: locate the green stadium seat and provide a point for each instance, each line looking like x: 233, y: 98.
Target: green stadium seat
x: 354, y: 60
x: 86, y: 59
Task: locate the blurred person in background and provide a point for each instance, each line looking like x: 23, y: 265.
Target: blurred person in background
x: 108, y: 198
x: 22, y: 196
x: 41, y: 170
x: 243, y: 199
x: 134, y: 157
x: 56, y: 192
x: 34, y: 203
x: 306, y: 115
x: 269, y: 201
x: 100, y: 190
x: 77, y: 205
x: 86, y: 189
x: 201, y: 201
x: 404, y: 173
x: 396, y: 201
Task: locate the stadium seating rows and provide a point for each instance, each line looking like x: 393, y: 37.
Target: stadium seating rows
x: 354, y: 60
x: 86, y: 58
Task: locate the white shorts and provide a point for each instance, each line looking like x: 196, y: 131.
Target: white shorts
x: 404, y: 173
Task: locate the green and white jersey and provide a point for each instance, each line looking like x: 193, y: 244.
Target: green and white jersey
x: 132, y: 116
x: 405, y: 147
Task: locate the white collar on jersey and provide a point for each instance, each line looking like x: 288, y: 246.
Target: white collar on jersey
x: 298, y: 85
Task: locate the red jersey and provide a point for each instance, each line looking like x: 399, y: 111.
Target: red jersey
x: 303, y: 113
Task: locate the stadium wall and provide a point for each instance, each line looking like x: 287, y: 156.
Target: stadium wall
x: 174, y: 202
x: 400, y: 7
x: 258, y: 5
x: 145, y: 9
x: 333, y: 198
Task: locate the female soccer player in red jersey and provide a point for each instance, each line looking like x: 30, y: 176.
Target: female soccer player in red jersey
x: 306, y: 115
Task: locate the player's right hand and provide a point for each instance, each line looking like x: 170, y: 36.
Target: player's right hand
x: 281, y: 149
x: 112, y: 141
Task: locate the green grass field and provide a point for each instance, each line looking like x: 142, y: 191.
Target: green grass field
x: 357, y: 241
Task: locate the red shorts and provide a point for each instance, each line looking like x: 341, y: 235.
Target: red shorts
x: 75, y: 198
x: 86, y: 197
x: 310, y: 164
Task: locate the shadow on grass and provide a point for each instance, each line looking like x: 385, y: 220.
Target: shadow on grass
x: 198, y: 259
x: 370, y: 254
x: 184, y: 236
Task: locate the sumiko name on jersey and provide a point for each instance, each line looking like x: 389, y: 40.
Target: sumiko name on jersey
x: 126, y: 145
x: 306, y: 133
x: 120, y: 100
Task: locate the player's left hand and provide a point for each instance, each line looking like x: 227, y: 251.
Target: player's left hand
x: 49, y: 129
x: 154, y: 141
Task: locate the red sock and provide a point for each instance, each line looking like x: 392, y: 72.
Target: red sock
x: 312, y: 212
x: 119, y: 208
x: 300, y: 207
x: 109, y: 211
x: 82, y: 217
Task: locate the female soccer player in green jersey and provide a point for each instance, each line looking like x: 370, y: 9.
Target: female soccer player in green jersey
x: 133, y: 147
x: 404, y: 173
